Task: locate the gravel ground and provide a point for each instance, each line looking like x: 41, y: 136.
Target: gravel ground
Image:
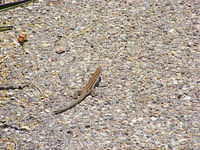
x: 148, y: 98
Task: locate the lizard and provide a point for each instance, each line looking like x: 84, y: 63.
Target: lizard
x: 85, y: 91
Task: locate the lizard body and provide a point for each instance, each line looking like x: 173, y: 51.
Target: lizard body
x: 85, y: 91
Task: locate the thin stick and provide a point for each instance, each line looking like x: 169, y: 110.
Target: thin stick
x: 11, y: 5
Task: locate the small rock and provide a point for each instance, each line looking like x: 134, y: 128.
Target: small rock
x: 60, y: 50
x: 22, y: 38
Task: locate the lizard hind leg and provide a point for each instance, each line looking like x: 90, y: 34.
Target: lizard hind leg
x: 76, y: 94
x: 93, y: 93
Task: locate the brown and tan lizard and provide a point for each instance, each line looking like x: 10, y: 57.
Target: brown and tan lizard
x: 85, y: 91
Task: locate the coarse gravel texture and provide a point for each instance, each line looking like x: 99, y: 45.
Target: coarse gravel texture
x: 149, y: 96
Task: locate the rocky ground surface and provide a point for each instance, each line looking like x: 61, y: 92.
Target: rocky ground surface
x: 149, y: 96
